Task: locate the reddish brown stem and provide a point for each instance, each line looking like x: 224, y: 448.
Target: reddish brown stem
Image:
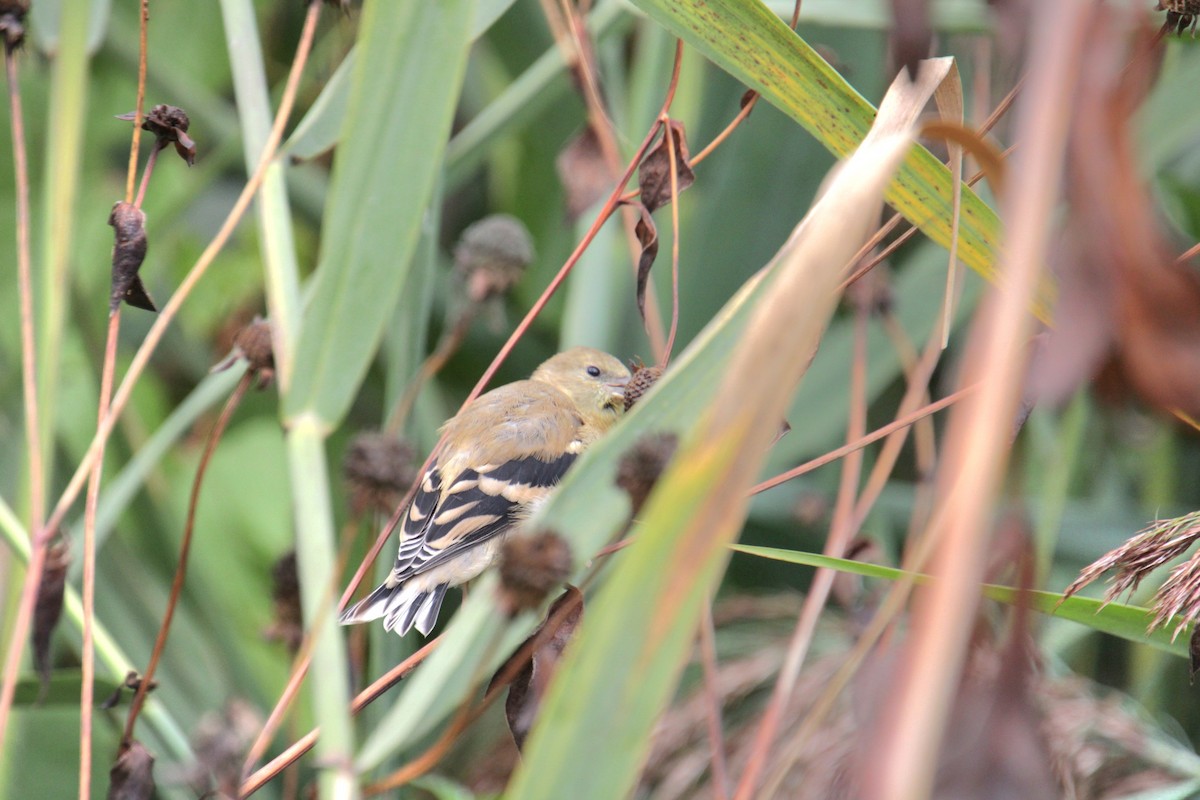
x: 146, y: 173
x: 364, y: 698
x: 167, y: 315
x: 138, y: 113
x: 712, y: 694
x: 88, y: 652
x: 185, y: 548
x: 33, y: 433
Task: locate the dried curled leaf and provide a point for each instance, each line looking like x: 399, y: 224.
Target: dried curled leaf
x: 647, y: 235
x: 48, y: 607
x: 132, y: 774
x: 169, y: 124
x: 129, y: 251
x: 529, y: 686
x: 654, y: 173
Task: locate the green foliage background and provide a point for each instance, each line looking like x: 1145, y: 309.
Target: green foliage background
x: 1090, y: 475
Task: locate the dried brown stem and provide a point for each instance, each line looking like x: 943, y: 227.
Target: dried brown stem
x: 146, y: 173
x: 88, y: 652
x: 185, y: 548
x: 138, y: 114
x: 167, y: 315
x: 870, y: 438
x: 840, y: 533
x: 712, y: 696
x: 449, y: 345
x: 674, y: 170
x: 33, y: 433
x: 300, y: 666
x: 364, y: 698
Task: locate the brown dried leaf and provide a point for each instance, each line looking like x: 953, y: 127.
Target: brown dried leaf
x: 129, y: 251
x: 654, y: 173
x: 528, y: 687
x: 583, y: 173
x: 132, y: 774
x: 912, y: 36
x: 647, y: 235
x: 48, y: 607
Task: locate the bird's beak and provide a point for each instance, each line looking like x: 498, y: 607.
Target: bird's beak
x: 618, y: 389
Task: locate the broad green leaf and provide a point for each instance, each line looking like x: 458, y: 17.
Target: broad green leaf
x: 408, y: 71
x: 755, y: 46
x: 322, y: 126
x: 1118, y: 619
x: 946, y: 15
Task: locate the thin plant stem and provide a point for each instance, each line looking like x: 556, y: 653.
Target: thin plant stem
x: 870, y: 438
x: 33, y: 436
x: 674, y: 171
x: 583, y: 62
x: 138, y: 111
x: 364, y: 698
x: 88, y: 651
x: 146, y: 173
x: 185, y: 547
x: 299, y: 667
x: 167, y: 315
x: 712, y: 694
x: 841, y: 531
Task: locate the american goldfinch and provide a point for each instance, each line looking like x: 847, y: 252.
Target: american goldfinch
x: 501, y: 456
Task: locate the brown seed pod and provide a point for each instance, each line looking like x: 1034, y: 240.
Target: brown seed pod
x: 253, y: 342
x: 642, y: 465
x: 379, y: 469
x: 288, y: 625
x: 643, y: 378
x: 492, y: 254
x: 531, y: 566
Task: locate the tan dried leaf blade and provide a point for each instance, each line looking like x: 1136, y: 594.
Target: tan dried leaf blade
x: 1151, y: 548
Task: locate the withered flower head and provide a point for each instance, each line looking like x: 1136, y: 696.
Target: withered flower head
x: 132, y: 774
x: 12, y: 23
x: 640, y: 468
x: 288, y: 625
x: 492, y: 254
x: 253, y: 343
x: 169, y: 126
x: 379, y: 469
x: 1181, y: 14
x: 531, y: 566
x: 643, y: 378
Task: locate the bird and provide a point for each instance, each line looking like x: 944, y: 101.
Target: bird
x: 500, y: 458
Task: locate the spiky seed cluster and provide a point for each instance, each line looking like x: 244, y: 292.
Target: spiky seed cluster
x: 492, y: 254
x: 379, y: 469
x: 643, y: 378
x: 1152, y: 547
x: 642, y: 465
x: 253, y: 342
x: 288, y: 625
x: 531, y: 567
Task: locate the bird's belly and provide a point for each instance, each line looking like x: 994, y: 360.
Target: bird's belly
x: 461, y: 569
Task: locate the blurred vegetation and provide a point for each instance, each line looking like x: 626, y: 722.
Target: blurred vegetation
x: 1086, y: 475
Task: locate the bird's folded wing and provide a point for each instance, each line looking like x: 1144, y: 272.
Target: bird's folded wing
x: 478, y: 504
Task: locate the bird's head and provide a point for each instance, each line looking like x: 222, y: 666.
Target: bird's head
x: 594, y: 380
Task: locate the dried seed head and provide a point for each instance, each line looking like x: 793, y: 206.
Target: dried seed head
x: 643, y: 464
x: 492, y: 254
x: 873, y: 291
x: 169, y: 125
x: 253, y: 343
x: 132, y: 774
x: 531, y: 566
x: 47, y: 608
x: 288, y: 625
x: 220, y: 742
x: 12, y: 23
x: 643, y: 378
x: 1154, y: 546
x: 379, y: 469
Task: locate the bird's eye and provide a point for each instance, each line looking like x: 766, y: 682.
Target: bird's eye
x: 593, y: 371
